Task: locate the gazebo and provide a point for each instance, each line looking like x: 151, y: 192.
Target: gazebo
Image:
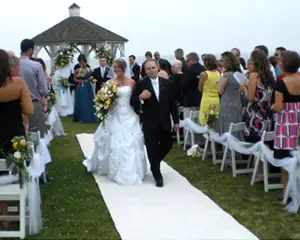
x: 82, y: 32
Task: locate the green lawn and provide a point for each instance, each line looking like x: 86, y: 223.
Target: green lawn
x: 74, y: 209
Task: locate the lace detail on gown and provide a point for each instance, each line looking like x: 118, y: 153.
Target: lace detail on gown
x: 119, y: 146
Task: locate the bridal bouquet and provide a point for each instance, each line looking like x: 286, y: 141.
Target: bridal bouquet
x: 105, y: 99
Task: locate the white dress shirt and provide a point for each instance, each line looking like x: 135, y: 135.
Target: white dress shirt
x: 155, y: 85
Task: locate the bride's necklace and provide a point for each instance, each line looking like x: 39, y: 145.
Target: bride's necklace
x: 121, y: 82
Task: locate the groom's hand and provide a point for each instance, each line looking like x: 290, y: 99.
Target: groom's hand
x: 177, y: 127
x: 145, y: 95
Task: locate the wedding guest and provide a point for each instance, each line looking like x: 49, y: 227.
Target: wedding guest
x: 161, y: 61
x: 136, y: 69
x: 257, y: 114
x: 209, y: 87
x: 177, y: 80
x: 179, y: 55
x: 15, y: 100
x: 278, y: 53
x: 84, y: 111
x: 100, y: 73
x: 287, y: 106
x: 237, y: 53
x: 33, y: 73
x: 265, y: 50
x: 71, y: 77
x: 163, y: 69
x: 229, y: 89
x: 191, y: 94
x: 148, y: 55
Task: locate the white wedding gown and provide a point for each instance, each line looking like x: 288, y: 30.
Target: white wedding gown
x: 119, y: 144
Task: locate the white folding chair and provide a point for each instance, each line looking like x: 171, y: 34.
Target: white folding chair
x: 212, y: 148
x: 194, y: 116
x: 35, y: 137
x: 236, y: 127
x: 266, y: 137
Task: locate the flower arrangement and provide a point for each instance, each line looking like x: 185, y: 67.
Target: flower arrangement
x: 64, y: 83
x: 104, y: 51
x: 51, y: 100
x: 211, y: 116
x: 47, y: 127
x: 64, y: 56
x: 105, y: 99
x: 19, y: 156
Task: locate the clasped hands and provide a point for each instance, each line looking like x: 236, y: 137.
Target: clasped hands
x: 146, y: 95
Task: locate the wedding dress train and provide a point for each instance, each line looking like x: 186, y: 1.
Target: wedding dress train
x: 119, y: 144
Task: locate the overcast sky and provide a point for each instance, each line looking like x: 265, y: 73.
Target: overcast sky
x: 204, y: 26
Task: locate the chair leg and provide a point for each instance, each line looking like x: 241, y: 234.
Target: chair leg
x: 178, y: 137
x: 266, y: 176
x: 192, y: 138
x: 22, y: 216
x: 205, y: 148
x: 185, y: 139
x: 213, y: 151
x: 224, y: 158
x: 233, y: 161
x: 254, y: 174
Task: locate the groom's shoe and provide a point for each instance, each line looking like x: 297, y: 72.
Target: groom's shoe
x: 160, y: 183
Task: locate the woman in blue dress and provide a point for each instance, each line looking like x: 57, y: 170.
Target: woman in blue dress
x: 84, y: 111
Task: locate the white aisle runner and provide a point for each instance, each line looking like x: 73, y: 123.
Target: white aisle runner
x: 178, y: 211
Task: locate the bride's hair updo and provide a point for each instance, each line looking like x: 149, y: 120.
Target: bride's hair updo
x: 121, y: 64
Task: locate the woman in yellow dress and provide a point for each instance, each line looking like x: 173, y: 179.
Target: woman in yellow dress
x: 209, y: 87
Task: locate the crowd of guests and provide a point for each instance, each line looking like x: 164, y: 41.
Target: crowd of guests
x: 268, y: 99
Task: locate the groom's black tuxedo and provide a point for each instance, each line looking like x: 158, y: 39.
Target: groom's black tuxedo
x: 156, y: 120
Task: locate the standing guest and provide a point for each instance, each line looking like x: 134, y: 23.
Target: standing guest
x: 33, y: 74
x: 278, y: 53
x: 162, y: 61
x: 84, y: 111
x: 229, y: 89
x: 148, y: 55
x: 100, y: 73
x: 179, y: 55
x: 237, y: 53
x: 209, y: 87
x: 136, y: 69
x: 287, y: 106
x: 190, y: 87
x: 177, y: 80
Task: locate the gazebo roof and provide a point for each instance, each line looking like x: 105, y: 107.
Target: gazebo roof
x: 76, y: 29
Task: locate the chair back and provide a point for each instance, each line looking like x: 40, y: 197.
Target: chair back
x: 237, y: 127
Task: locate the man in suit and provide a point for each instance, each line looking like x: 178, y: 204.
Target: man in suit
x: 148, y: 55
x: 100, y: 73
x: 190, y: 87
x: 156, y: 95
x: 136, y: 69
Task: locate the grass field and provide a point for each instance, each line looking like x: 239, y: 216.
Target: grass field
x: 74, y: 209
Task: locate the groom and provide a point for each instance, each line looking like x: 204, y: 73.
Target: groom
x: 158, y: 105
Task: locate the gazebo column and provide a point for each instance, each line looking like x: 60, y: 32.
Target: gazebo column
x: 37, y: 50
x: 52, y: 53
x: 122, y: 49
x: 113, y: 49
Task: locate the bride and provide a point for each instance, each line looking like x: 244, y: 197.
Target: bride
x: 119, y: 144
